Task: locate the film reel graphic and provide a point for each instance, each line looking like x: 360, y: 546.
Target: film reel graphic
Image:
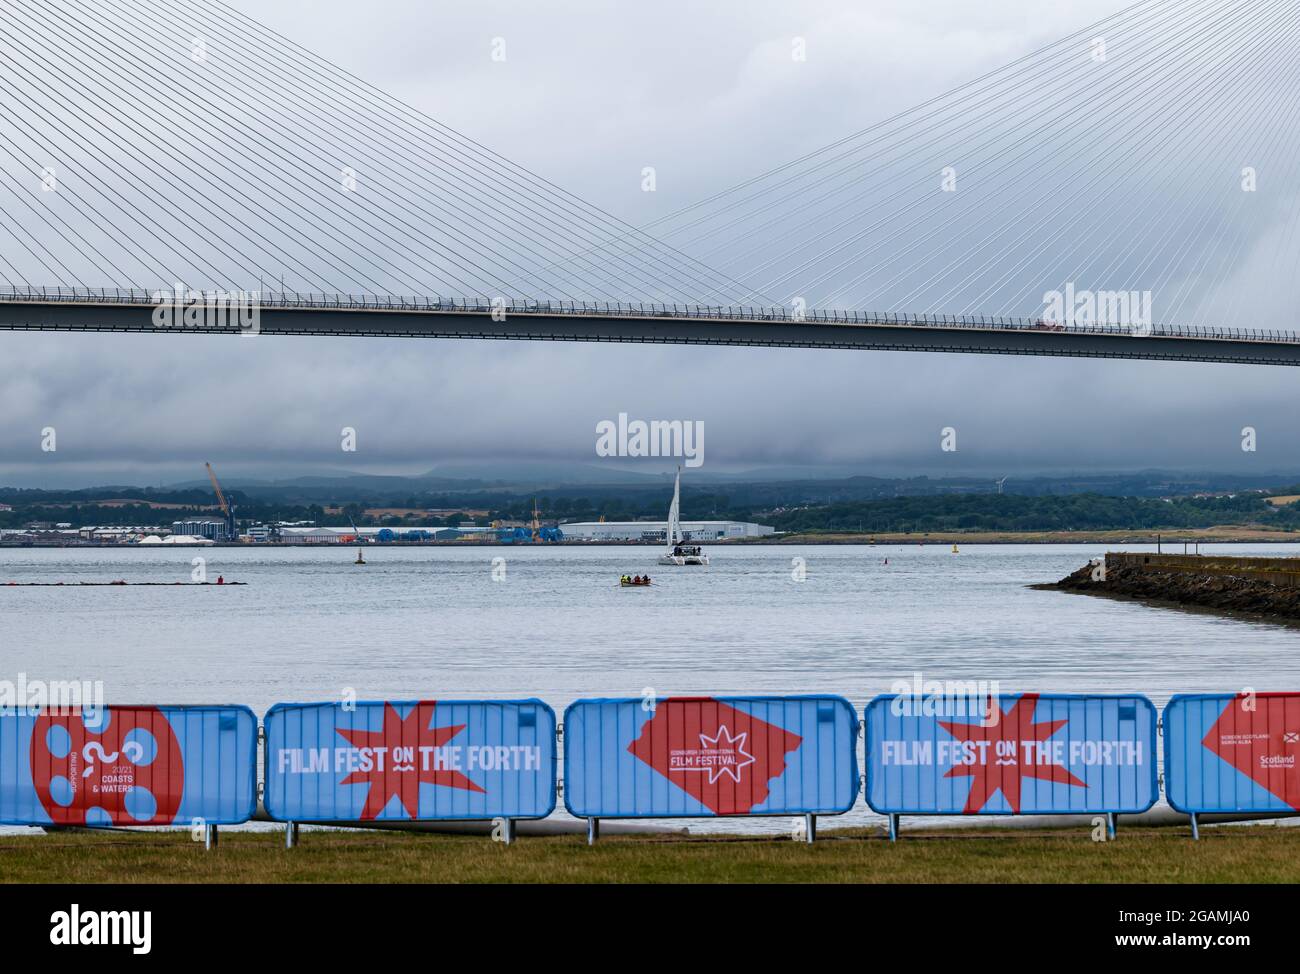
x: 117, y: 766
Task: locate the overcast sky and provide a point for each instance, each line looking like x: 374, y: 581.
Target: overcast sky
x: 589, y: 95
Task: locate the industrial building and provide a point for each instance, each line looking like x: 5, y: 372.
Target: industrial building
x: 657, y: 531
x: 208, y: 528
x: 315, y: 535
x: 321, y: 535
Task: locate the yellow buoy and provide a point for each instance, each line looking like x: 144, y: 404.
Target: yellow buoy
x: 954, y: 549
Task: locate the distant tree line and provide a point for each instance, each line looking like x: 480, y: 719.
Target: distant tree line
x: 908, y: 514
x: 1011, y: 512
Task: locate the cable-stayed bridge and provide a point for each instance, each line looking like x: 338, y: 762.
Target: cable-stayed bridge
x: 151, y: 145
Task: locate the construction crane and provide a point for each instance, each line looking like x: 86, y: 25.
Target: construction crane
x: 356, y: 536
x: 227, y: 508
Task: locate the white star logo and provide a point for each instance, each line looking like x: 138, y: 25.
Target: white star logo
x: 734, y: 746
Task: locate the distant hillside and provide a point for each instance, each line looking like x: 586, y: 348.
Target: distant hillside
x: 855, y: 504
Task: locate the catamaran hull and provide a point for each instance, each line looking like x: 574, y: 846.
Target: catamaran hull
x: 683, y: 560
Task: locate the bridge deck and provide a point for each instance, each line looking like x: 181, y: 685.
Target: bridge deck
x: 420, y: 318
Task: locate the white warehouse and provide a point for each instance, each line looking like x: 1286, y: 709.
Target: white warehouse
x: 697, y: 531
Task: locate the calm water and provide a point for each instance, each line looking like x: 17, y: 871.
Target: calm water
x: 432, y: 622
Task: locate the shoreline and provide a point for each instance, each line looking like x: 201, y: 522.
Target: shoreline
x: 1258, y: 589
x: 1215, y: 535
x: 1224, y: 534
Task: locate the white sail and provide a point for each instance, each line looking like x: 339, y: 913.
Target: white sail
x: 678, y: 552
x: 674, y: 513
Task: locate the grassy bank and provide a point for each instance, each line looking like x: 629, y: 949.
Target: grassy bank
x: 1224, y: 855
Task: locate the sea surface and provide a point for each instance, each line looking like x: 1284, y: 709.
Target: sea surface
x: 552, y: 622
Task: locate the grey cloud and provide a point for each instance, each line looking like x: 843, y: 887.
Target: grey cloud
x: 589, y: 95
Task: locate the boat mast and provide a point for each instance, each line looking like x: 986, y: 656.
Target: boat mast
x: 675, y: 513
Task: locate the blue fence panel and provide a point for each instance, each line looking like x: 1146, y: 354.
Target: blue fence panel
x: 1233, y: 753
x: 128, y: 766
x: 393, y: 760
x: 1034, y: 754
x: 705, y: 756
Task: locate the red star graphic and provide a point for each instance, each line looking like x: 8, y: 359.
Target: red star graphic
x: 402, y: 777
x: 1005, y: 763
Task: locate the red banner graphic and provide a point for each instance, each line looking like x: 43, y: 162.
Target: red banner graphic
x: 723, y: 757
x: 1260, y: 737
x: 76, y: 769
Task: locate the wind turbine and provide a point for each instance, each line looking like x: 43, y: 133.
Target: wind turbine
x: 1000, y: 483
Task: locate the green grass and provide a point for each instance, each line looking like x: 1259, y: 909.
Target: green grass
x: 1224, y: 855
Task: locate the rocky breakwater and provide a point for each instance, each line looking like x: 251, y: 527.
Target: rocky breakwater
x: 1268, y: 587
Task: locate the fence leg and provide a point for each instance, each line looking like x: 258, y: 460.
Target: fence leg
x: 593, y: 830
x: 508, y: 833
x: 810, y: 828
x: 1196, y: 832
x: 209, y: 837
x: 1110, y: 823
x: 290, y: 835
x: 893, y: 827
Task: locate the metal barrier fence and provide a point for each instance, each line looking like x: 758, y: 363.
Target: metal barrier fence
x: 381, y: 762
x: 115, y: 766
x: 1040, y: 754
x: 698, y: 757
x: 1232, y: 753
x: 410, y: 760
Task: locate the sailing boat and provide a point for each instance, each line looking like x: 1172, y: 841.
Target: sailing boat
x: 679, y: 553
